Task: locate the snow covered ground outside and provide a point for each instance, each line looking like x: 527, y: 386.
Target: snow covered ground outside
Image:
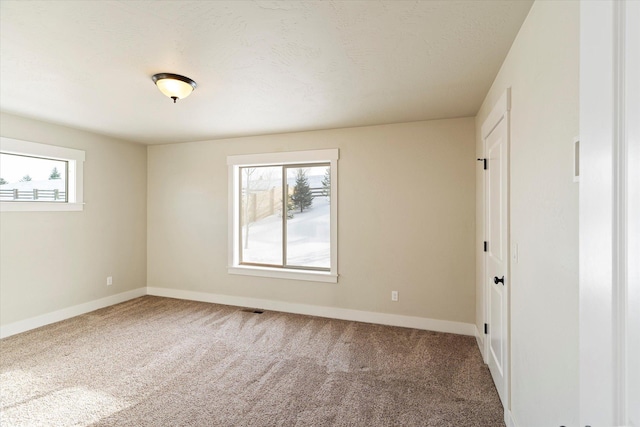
x: 308, y: 238
x: 25, y: 190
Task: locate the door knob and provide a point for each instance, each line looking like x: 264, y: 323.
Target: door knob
x: 500, y: 280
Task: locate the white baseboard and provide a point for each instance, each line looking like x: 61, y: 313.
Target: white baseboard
x: 320, y: 311
x: 287, y: 307
x: 508, y: 419
x: 66, y: 313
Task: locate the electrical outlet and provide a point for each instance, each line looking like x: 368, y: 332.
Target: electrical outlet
x: 109, y: 281
x: 394, y: 295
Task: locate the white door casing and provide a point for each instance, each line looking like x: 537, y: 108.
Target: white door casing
x: 632, y: 310
x: 495, y: 134
x: 609, y: 213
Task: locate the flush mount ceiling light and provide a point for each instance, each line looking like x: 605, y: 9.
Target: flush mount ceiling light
x: 174, y: 86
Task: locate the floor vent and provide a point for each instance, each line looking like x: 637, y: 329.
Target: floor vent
x: 254, y: 311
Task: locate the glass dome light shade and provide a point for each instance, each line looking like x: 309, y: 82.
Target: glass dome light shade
x: 174, y: 86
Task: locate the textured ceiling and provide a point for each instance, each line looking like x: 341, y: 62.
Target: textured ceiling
x: 261, y: 66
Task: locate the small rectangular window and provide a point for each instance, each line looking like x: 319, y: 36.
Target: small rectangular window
x: 40, y: 177
x: 283, y: 215
x: 34, y: 179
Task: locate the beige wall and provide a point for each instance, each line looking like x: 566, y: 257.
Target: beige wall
x: 54, y: 260
x: 542, y: 69
x: 406, y: 219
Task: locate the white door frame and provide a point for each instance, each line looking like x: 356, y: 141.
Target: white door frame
x: 609, y: 213
x: 501, y: 111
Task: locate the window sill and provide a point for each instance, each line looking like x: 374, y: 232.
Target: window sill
x: 40, y: 207
x: 280, y: 273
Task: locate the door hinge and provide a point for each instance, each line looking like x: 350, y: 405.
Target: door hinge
x: 485, y: 246
x: 486, y: 328
x: 484, y: 163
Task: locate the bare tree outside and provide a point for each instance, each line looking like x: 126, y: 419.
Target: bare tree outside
x: 248, y: 174
x: 261, y: 188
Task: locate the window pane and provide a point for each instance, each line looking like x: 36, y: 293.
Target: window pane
x: 34, y: 179
x: 261, y: 215
x: 308, y: 226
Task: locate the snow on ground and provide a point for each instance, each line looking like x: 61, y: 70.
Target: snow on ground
x: 26, y: 188
x: 308, y: 238
x: 49, y: 184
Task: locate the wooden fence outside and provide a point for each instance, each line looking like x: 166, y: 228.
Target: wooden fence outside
x: 264, y: 203
x: 13, y: 194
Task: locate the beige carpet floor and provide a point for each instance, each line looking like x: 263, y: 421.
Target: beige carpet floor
x: 164, y: 362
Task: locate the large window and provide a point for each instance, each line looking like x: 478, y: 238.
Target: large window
x: 283, y: 215
x: 39, y: 177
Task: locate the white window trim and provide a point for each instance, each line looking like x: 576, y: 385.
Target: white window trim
x: 75, y: 159
x: 291, y: 157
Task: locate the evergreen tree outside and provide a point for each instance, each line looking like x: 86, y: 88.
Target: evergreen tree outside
x: 290, y: 207
x: 301, y: 197
x: 3, y: 181
x: 25, y: 178
x: 55, y: 174
x: 326, y: 184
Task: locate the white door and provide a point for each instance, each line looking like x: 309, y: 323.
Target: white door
x: 496, y: 144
